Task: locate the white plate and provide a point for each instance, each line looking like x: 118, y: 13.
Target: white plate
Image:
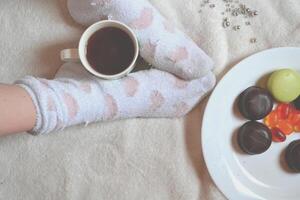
x: 237, y: 175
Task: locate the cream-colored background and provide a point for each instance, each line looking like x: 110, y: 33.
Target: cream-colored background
x: 132, y: 159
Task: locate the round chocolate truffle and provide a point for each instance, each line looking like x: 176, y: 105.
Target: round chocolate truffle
x: 292, y: 155
x: 255, y: 103
x: 254, y: 137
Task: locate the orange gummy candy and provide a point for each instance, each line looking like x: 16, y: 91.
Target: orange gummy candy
x: 285, y: 117
x: 271, y: 120
x: 294, y: 118
x: 297, y: 128
x: 285, y: 127
x: 284, y: 110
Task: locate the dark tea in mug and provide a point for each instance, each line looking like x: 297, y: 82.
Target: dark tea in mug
x: 110, y: 51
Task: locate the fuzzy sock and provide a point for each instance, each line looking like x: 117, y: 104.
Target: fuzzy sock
x: 76, y: 97
x: 161, y: 44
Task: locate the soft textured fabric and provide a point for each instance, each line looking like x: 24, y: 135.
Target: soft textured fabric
x: 161, y: 43
x: 158, y: 159
x: 75, y: 96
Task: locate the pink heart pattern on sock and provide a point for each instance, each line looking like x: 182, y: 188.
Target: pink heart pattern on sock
x: 50, y: 104
x: 130, y: 86
x: 181, y: 109
x: 150, y: 48
x: 86, y: 87
x: 157, y: 100
x: 179, y: 54
x: 144, y: 20
x: 112, y: 107
x: 71, y: 104
x: 180, y: 84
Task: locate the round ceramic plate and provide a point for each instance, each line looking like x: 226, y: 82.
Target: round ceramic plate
x: 240, y: 176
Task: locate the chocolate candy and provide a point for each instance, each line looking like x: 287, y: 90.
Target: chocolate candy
x: 292, y: 155
x: 255, y: 103
x: 254, y: 137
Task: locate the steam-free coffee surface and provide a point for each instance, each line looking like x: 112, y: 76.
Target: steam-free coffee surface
x: 110, y: 51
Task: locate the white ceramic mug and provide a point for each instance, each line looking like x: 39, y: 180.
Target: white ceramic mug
x: 79, y: 55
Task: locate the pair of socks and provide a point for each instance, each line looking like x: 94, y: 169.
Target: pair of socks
x: 161, y: 43
x: 181, y: 78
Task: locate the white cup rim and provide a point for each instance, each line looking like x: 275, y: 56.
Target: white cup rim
x: 82, y: 49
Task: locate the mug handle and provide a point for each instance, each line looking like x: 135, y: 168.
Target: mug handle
x: 70, y: 55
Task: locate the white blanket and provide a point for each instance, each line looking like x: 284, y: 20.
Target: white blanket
x: 131, y: 159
